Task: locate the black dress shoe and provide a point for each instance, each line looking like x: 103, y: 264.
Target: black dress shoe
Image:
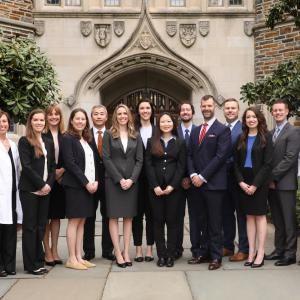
x: 274, y: 256
x: 44, y: 270
x: 3, y: 273
x: 214, y: 265
x: 88, y: 256
x: 139, y: 259
x: 170, y: 262
x: 50, y: 263
x: 149, y: 258
x: 285, y: 261
x: 12, y: 273
x: 37, y: 272
x: 177, y: 255
x: 161, y: 262
x: 58, y: 261
x: 109, y: 256
x: 198, y: 260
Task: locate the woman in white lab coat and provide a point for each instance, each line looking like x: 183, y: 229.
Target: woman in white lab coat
x: 10, y: 207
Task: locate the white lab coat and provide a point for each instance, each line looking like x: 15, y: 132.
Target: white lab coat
x: 6, y: 216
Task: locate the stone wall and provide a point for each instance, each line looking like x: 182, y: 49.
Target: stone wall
x: 16, y: 18
x: 273, y: 46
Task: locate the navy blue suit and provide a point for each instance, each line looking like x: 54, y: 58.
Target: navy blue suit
x: 209, y: 160
x: 230, y: 204
x: 185, y: 196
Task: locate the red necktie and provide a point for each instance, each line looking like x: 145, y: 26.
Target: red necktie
x: 203, y: 132
x: 100, y: 143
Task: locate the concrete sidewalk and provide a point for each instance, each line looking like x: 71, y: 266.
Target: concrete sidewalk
x: 146, y: 281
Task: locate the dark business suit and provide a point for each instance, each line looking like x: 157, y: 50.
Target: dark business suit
x: 230, y: 204
x: 162, y: 171
x: 35, y: 208
x: 282, y: 200
x: 144, y: 208
x: 209, y: 160
x: 89, y: 226
x: 182, y: 203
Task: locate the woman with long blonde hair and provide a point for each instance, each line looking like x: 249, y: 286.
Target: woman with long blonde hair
x: 123, y: 160
x: 54, y: 131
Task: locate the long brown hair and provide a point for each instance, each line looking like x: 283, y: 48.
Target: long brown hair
x: 86, y: 133
x: 115, y: 128
x: 156, y: 147
x: 56, y: 108
x: 262, y: 128
x: 30, y: 134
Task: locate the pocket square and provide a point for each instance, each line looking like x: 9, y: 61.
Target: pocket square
x: 211, y: 135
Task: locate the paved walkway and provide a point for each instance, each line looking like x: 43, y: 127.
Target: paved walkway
x: 146, y: 281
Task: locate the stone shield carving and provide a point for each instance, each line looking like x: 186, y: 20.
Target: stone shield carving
x: 204, y: 28
x: 119, y: 28
x: 248, y: 28
x: 146, y: 41
x: 187, y: 33
x: 171, y: 28
x: 39, y: 27
x: 102, y: 34
x: 85, y: 28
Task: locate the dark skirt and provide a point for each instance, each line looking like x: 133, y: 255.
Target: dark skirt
x: 57, y: 205
x: 255, y: 204
x: 79, y: 203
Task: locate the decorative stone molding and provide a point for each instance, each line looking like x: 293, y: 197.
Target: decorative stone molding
x: 220, y: 100
x: 69, y: 101
x: 187, y: 33
x: 248, y: 27
x: 86, y: 28
x: 204, y: 28
x: 171, y: 28
x: 102, y: 34
x: 39, y: 27
x: 145, y: 40
x: 119, y: 28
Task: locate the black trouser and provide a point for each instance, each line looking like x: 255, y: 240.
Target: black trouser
x: 283, y: 210
x: 89, y: 230
x: 144, y: 208
x: 35, y: 218
x: 165, y: 212
x: 181, y: 214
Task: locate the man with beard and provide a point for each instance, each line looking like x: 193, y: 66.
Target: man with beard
x: 184, y: 130
x: 209, y: 148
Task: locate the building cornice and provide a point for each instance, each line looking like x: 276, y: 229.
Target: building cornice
x: 15, y: 23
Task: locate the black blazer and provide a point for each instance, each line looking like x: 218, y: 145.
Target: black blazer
x: 167, y: 169
x: 31, y: 179
x: 261, y: 161
x: 60, y: 162
x: 74, y: 163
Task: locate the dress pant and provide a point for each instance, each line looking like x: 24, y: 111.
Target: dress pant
x: 89, y: 229
x: 283, y: 211
x: 230, y: 207
x: 144, y: 208
x: 165, y: 212
x: 35, y: 218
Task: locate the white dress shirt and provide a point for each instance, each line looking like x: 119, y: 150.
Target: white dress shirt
x: 89, y: 170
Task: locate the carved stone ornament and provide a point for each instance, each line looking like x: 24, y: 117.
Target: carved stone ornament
x: 39, y: 27
x: 86, y: 28
x: 187, y: 33
x: 69, y: 101
x: 204, y: 28
x: 248, y: 28
x: 102, y: 34
x: 145, y: 40
x: 119, y: 28
x: 171, y: 28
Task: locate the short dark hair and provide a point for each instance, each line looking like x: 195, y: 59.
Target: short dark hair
x: 190, y: 104
x: 4, y: 113
x: 206, y: 97
x: 281, y: 101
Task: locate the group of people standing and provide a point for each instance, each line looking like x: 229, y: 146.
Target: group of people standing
x: 138, y: 169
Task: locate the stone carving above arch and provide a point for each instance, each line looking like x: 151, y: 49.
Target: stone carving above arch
x: 145, y: 40
x: 188, y: 34
x: 102, y: 34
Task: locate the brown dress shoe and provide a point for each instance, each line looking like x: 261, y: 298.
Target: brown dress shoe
x: 239, y: 256
x: 214, y: 265
x: 227, y: 252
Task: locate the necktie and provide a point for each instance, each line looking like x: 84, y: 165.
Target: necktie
x: 203, y: 132
x: 99, y: 145
x: 275, y: 135
x: 229, y: 126
x: 187, y: 137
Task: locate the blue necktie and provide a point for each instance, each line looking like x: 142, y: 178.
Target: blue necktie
x: 275, y: 135
x: 187, y: 137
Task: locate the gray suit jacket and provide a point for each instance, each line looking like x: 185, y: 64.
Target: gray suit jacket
x: 285, y: 158
x: 119, y: 164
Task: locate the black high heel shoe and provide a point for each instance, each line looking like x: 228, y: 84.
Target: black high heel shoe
x: 254, y: 266
x: 121, y: 265
x: 250, y: 263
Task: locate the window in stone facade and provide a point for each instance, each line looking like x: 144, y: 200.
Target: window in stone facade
x: 72, y: 2
x: 177, y: 3
x: 215, y: 3
x: 53, y: 2
x: 235, y: 2
x: 112, y: 3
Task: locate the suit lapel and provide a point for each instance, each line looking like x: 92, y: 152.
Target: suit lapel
x: 211, y: 128
x: 282, y: 132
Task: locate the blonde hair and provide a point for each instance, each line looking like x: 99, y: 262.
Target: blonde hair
x: 115, y: 128
x: 57, y: 109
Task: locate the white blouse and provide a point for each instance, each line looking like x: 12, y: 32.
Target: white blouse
x: 146, y: 133
x: 89, y: 171
x: 124, y: 142
x: 45, y: 175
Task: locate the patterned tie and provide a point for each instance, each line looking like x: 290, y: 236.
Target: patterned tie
x: 203, y: 132
x: 187, y: 137
x: 99, y: 145
x: 275, y: 135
